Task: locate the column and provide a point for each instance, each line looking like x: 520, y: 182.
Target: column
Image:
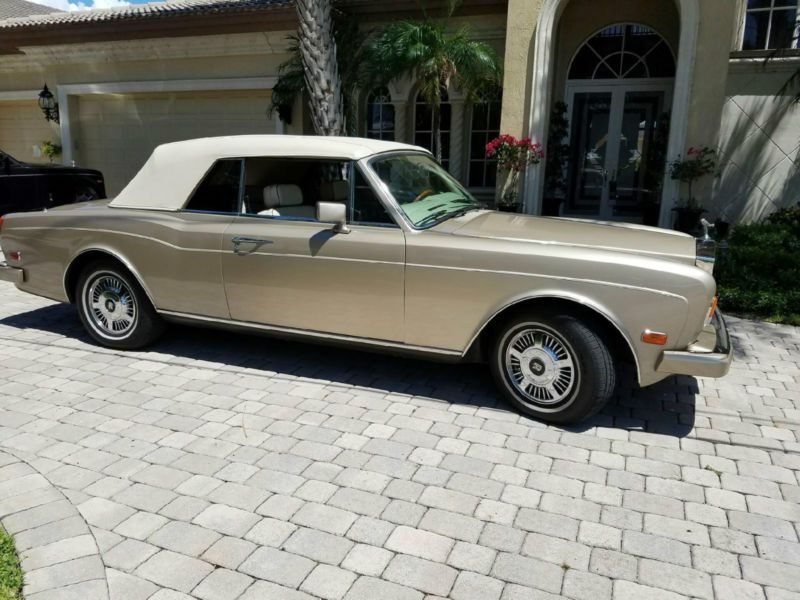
x: 457, y: 127
x: 400, y: 120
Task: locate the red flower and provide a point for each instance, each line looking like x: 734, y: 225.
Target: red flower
x: 692, y: 151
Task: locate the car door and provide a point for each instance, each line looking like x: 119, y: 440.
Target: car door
x: 294, y: 272
x: 179, y: 253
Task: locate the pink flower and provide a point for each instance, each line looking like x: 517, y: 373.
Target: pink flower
x: 693, y: 151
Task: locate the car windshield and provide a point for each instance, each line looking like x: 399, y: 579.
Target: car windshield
x: 426, y: 193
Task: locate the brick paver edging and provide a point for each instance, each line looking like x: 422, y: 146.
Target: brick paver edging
x: 58, y: 553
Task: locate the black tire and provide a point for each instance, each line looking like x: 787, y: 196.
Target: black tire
x: 539, y: 380
x: 125, y: 304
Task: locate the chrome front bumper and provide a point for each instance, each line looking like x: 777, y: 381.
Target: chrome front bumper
x: 12, y: 274
x: 709, y: 356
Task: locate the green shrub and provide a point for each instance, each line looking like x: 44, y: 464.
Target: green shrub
x: 760, y: 273
x: 10, y: 574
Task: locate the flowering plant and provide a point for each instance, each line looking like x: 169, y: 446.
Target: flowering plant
x: 699, y: 161
x: 513, y: 156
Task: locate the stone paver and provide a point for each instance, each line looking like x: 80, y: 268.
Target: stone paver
x: 215, y: 465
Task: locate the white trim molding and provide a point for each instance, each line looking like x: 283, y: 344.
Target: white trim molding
x: 545, y: 48
x: 65, y: 91
x: 16, y: 95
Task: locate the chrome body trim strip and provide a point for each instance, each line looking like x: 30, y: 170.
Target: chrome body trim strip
x: 313, y: 334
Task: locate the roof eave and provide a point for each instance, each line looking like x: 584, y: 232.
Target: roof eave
x: 264, y: 18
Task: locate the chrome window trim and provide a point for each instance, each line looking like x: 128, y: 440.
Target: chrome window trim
x: 202, y: 180
x: 379, y: 184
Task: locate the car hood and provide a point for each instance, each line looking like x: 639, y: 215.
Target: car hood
x: 581, y: 233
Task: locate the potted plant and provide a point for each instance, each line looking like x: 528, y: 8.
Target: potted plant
x: 699, y: 162
x: 513, y: 156
x: 50, y: 150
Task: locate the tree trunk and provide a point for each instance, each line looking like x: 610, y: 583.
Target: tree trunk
x: 318, y: 51
x: 437, y: 131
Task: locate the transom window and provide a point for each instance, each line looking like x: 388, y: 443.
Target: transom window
x: 770, y: 24
x: 380, y: 115
x: 623, y: 51
x: 485, y: 127
x: 423, y: 126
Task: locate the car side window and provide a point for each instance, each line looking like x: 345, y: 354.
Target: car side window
x: 289, y: 189
x: 220, y: 189
x: 367, y: 208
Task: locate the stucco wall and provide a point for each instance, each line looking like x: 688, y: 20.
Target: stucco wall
x: 207, y: 57
x: 518, y: 64
x: 22, y: 127
x: 759, y: 143
x: 717, y: 28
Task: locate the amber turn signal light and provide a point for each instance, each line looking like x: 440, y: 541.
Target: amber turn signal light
x: 654, y: 337
x: 712, y: 310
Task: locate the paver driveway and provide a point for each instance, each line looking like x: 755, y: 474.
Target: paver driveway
x: 221, y: 466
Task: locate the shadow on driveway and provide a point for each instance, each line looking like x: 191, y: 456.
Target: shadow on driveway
x: 667, y: 408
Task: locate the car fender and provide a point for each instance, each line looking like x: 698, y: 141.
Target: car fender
x: 555, y: 294
x: 104, y: 249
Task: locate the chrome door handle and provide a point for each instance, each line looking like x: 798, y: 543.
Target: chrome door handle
x: 249, y: 240
x: 238, y: 240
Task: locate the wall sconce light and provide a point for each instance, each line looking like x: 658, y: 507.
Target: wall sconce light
x: 48, y: 105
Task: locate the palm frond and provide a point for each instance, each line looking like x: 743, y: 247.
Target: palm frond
x: 291, y: 83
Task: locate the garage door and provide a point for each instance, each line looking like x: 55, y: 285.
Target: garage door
x: 22, y: 127
x: 117, y: 133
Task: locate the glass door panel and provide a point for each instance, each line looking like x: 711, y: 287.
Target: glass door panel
x: 636, y: 176
x: 591, y: 122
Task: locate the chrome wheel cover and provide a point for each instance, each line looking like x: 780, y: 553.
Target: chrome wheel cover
x: 110, y: 306
x: 541, y: 366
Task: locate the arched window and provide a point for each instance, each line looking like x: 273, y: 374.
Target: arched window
x: 624, y: 51
x: 485, y: 126
x: 380, y: 115
x: 423, y: 126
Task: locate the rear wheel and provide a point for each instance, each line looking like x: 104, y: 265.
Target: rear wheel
x: 553, y: 367
x: 114, y: 308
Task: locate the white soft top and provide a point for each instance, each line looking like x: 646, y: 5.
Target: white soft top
x: 174, y: 170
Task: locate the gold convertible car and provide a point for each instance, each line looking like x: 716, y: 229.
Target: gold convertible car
x: 372, y: 243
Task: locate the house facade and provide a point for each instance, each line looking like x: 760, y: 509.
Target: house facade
x: 629, y: 85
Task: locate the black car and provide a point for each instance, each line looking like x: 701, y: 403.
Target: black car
x: 25, y: 187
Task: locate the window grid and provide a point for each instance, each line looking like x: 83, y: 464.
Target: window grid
x: 762, y: 28
x: 423, y: 126
x: 380, y: 115
x: 485, y: 127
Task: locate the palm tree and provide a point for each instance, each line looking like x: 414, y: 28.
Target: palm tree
x: 350, y: 45
x: 435, y: 58
x: 318, y: 52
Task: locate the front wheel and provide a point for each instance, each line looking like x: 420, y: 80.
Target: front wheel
x: 114, y: 308
x: 553, y: 367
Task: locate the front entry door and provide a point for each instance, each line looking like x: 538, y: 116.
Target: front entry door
x: 618, y: 140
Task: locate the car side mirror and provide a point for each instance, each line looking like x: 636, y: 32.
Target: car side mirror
x: 333, y: 212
